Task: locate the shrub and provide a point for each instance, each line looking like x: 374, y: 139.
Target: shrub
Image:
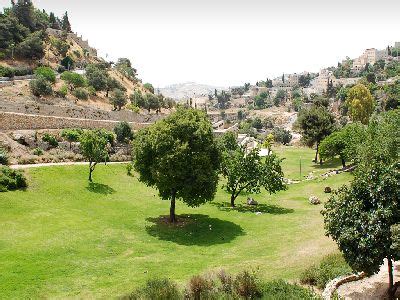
x: 73, y: 79
x: 47, y: 73
x: 129, y: 168
x: 6, y: 72
x: 81, y: 94
x: 48, y: 138
x: 282, y: 136
x: 282, y: 290
x: 133, y: 108
x: 157, y: 289
x: 40, y: 87
x: 38, y: 151
x: 123, y: 131
x: 3, y: 157
x: 62, y: 92
x: 247, y: 286
x: 330, y: 267
x: 11, y: 179
x: 91, y: 90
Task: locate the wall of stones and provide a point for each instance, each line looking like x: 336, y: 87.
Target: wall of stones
x: 18, y: 121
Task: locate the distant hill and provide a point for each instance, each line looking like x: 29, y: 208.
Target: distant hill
x: 188, y: 90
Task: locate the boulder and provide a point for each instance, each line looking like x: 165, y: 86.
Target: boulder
x: 327, y: 190
x: 314, y: 200
x: 251, y: 201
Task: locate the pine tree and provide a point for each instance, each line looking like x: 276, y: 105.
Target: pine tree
x: 53, y: 21
x: 24, y: 11
x: 66, y: 25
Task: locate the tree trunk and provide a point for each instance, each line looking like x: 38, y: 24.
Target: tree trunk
x: 233, y: 200
x: 90, y: 174
x: 343, y: 162
x: 172, y: 217
x: 316, y: 153
x: 391, y: 285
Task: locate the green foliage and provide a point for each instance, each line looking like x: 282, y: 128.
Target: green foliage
x: 257, y: 123
x: 281, y: 135
x: 93, y: 145
x: 97, y: 77
x: 68, y: 63
x: 46, y: 73
x: 12, y: 32
x: 343, y: 143
x: 124, y: 67
x: 60, y: 46
x: 179, y: 157
x: 81, y: 93
x: 360, y: 103
x: 72, y: 135
x: 51, y: 139
x: 118, y: 99
x: 280, y: 97
x: 223, y: 99
x: 62, y: 92
x: 38, y: 151
x: 315, y: 124
x: 279, y: 289
x: 31, y: 47
x: 228, y: 141
x: 156, y: 289
x: 304, y: 80
x: 40, y: 86
x: 3, y: 157
x: 149, y: 87
x: 260, y: 101
x: 129, y: 169
x: 392, y: 69
x: 370, y: 204
x: 73, y: 79
x: 124, y: 132
x: 65, y: 24
x: 11, y: 179
x: 330, y: 267
x: 247, y: 172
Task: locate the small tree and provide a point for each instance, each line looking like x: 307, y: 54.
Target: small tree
x: 179, y: 157
x: 71, y: 135
x: 118, y: 99
x: 123, y: 131
x: 73, y: 79
x: 360, y: 103
x: 269, y: 142
x: 149, y: 87
x: 94, y: 148
x: 315, y: 124
x: 247, y: 172
x: 40, y: 87
x: 47, y: 73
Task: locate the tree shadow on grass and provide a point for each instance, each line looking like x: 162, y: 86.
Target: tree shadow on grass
x: 334, y: 163
x: 200, y: 230
x: 263, y: 208
x: 100, y: 188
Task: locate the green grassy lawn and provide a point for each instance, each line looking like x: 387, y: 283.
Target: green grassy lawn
x: 63, y: 237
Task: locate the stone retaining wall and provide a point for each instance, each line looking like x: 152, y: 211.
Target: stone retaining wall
x: 18, y: 121
x: 333, y: 285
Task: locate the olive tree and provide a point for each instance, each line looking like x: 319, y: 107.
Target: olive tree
x: 248, y: 172
x: 94, y: 147
x: 179, y: 156
x: 360, y: 103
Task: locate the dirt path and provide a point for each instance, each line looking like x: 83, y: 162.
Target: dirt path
x: 58, y: 164
x: 374, y: 287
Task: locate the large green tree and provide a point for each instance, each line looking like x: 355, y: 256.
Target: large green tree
x: 248, y: 172
x: 179, y: 157
x: 315, y: 124
x: 359, y: 217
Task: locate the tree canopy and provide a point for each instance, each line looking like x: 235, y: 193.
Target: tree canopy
x: 179, y: 157
x: 360, y: 103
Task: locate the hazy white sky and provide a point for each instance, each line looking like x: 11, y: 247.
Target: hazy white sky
x: 229, y: 42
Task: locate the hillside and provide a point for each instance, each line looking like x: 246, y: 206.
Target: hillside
x: 187, y: 90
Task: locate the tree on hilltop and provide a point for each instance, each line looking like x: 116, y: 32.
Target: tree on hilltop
x: 65, y: 24
x: 179, y: 157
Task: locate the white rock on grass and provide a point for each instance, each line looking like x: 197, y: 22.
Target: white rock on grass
x: 314, y: 200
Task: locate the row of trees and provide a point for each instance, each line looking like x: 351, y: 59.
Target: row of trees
x: 23, y: 28
x: 364, y: 217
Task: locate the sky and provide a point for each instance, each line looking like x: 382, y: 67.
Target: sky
x: 229, y: 42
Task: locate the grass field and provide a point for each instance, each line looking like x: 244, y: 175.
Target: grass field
x: 63, y: 237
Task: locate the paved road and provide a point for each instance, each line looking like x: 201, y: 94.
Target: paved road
x: 57, y: 164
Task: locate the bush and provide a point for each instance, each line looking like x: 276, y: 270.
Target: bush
x: 91, y: 90
x: 282, y: 136
x: 31, y: 47
x: 157, y: 289
x: 123, y: 131
x: 40, y: 87
x: 38, y: 152
x: 129, y: 168
x: 330, y: 267
x: 81, y: 94
x: 73, y: 79
x: 47, y: 73
x: 62, y: 92
x: 48, y: 138
x: 3, y: 157
x: 6, y: 72
x: 282, y: 290
x: 11, y: 179
x: 247, y: 286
